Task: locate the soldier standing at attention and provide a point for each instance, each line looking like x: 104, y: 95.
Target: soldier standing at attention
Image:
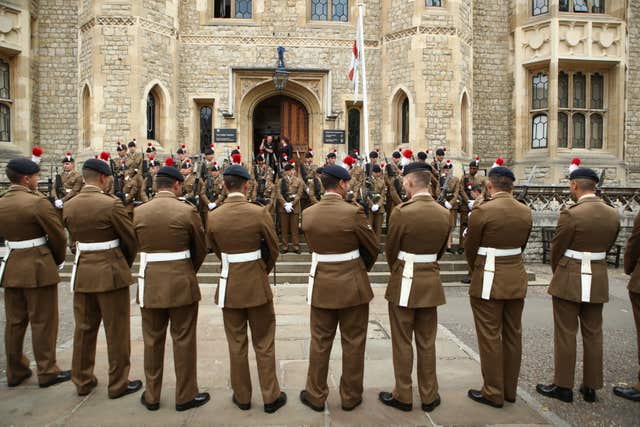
x: 632, y: 267
x: 133, y: 157
x: 290, y: 189
x: 580, y: 285
x: 415, y: 291
x: 377, y: 195
x: 344, y: 248
x: 248, y: 250
x: 134, y: 190
x: 497, y: 235
x: 168, y: 288
x: 450, y: 186
x: 36, y: 244
x: 105, y: 244
x: 308, y: 176
x: 71, y: 180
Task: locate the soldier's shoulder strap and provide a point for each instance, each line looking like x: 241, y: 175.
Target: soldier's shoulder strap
x: 407, y: 203
x: 185, y: 201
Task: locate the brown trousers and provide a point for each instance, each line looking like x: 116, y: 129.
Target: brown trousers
x: 289, y: 225
x: 375, y: 219
x: 635, y: 304
x: 183, y: 333
x: 404, y: 323
x: 113, y: 309
x: 38, y: 306
x: 353, y: 323
x: 499, y: 330
x: 565, y: 321
x: 262, y: 321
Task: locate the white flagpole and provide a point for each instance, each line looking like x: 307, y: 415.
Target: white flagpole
x: 365, y: 103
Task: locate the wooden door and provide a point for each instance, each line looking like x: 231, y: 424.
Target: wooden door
x: 294, y: 124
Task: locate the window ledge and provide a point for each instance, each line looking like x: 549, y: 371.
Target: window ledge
x: 235, y: 22
x: 329, y: 24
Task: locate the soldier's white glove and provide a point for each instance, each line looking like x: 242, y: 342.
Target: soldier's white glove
x: 59, y: 203
x: 288, y: 207
x: 61, y: 266
x: 447, y: 205
x: 212, y: 206
x: 307, y: 190
x: 470, y: 204
x: 375, y: 208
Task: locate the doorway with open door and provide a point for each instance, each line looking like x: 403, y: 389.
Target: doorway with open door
x: 282, y: 118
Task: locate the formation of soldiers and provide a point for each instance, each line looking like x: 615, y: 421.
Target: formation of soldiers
x: 172, y: 240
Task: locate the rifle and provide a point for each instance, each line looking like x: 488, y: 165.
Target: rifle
x: 195, y: 199
x: 444, y: 191
x: 59, y: 185
x: 117, y: 184
x: 467, y: 183
x: 50, y: 196
x: 363, y: 203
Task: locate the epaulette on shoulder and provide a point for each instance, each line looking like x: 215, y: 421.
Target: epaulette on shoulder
x: 407, y: 203
x: 188, y: 203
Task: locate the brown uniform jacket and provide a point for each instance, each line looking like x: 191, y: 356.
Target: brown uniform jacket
x: 420, y: 216
x: 632, y: 257
x: 92, y: 217
x: 167, y: 224
x: 134, y: 190
x: 211, y: 191
x: 72, y: 183
x: 239, y: 227
x: 334, y: 226
x: 396, y: 174
x: 500, y: 223
x: 378, y: 194
x: 26, y: 215
x: 295, y: 188
x: 453, y: 191
x: 134, y: 160
x: 589, y: 225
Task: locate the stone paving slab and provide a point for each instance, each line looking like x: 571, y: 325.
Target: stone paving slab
x: 457, y: 372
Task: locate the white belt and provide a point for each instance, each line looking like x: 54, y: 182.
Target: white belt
x: 224, y: 274
x: 407, y: 273
x: 490, y: 266
x: 146, y: 258
x: 316, y: 258
x: 89, y: 247
x: 22, y: 244
x: 585, y: 269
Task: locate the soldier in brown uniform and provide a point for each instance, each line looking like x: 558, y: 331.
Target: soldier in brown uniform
x: 71, y: 180
x: 344, y: 248
x: 393, y: 176
x: 450, y: 196
x: 316, y: 190
x: 133, y: 158
x: 632, y: 267
x: 191, y: 181
x: 435, y: 182
x: 133, y: 190
x: 497, y: 235
x: 105, y: 246
x: 415, y: 291
x: 264, y: 191
x: 211, y: 190
x: 580, y: 286
x: 248, y: 250
x: 168, y: 288
x: 36, y: 245
x: 308, y: 173
x: 377, y: 199
x: 289, y: 192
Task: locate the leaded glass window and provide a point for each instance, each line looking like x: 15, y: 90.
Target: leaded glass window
x: 222, y: 9
x: 539, y: 7
x: 597, y: 6
x: 539, y: 131
x: 597, y: 131
x: 564, y: 5
x: 563, y: 130
x: 578, y: 131
x: 5, y: 123
x: 151, y: 116
x: 579, y: 90
x: 340, y: 10
x: 434, y: 3
x: 354, y: 130
x: 319, y: 10
x: 243, y: 9
x: 563, y: 90
x: 205, y: 127
x: 405, y: 121
x: 5, y: 88
x: 580, y: 6
x: 597, y: 91
x: 540, y: 86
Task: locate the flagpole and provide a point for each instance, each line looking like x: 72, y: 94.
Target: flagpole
x: 365, y: 103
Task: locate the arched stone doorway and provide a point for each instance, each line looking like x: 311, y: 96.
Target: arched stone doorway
x: 281, y: 116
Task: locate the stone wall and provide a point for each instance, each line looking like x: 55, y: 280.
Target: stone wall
x: 57, y: 93
x: 632, y: 125
x: 492, y: 79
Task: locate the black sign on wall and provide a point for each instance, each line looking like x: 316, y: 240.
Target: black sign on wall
x: 333, y: 136
x: 225, y: 135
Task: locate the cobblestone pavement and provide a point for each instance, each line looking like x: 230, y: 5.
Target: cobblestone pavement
x: 458, y: 370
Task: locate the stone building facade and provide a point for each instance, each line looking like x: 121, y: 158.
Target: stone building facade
x: 534, y: 81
